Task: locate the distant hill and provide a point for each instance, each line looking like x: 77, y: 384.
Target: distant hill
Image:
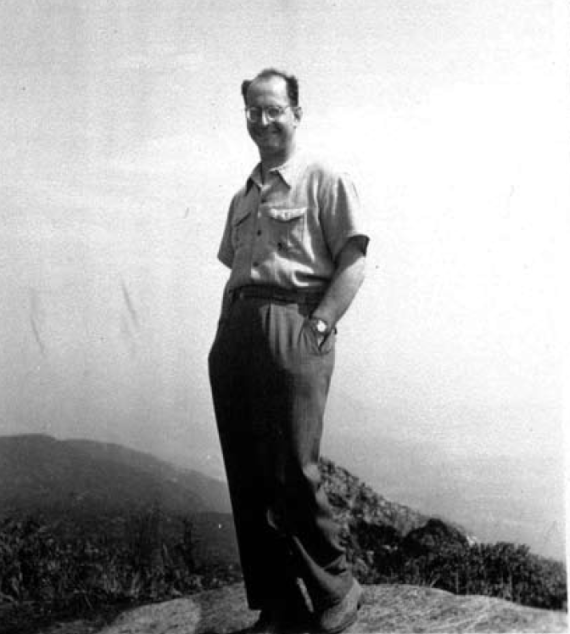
x: 92, y: 487
x: 356, y: 502
x: 40, y: 473
x: 213, y: 493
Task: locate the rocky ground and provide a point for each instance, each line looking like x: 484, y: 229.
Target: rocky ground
x: 387, y: 608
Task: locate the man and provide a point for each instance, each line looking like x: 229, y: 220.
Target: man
x: 297, y: 257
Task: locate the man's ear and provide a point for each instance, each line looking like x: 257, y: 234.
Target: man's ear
x: 298, y: 112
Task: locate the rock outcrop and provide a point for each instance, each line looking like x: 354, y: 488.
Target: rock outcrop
x: 434, y: 535
x: 387, y: 608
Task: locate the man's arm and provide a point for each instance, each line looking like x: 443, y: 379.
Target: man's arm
x: 347, y: 279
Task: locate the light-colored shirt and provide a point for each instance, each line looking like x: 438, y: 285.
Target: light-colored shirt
x: 288, y: 231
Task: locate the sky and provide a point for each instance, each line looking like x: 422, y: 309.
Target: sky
x: 122, y: 140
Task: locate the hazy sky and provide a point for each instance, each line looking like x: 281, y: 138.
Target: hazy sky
x: 122, y: 139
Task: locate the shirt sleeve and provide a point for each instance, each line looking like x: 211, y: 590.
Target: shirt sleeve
x: 226, y: 250
x: 340, y: 214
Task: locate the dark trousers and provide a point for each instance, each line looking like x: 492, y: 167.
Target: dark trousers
x: 270, y: 382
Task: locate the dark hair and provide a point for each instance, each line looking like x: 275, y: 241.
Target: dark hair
x: 290, y: 80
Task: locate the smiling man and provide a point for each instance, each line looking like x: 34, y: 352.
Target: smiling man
x: 297, y: 257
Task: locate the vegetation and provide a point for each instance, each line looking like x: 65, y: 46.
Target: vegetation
x: 57, y: 573
x: 502, y: 570
x: 391, y: 543
x: 61, y: 573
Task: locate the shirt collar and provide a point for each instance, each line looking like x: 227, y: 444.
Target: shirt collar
x: 289, y: 172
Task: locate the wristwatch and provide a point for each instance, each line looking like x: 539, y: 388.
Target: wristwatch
x: 320, y: 325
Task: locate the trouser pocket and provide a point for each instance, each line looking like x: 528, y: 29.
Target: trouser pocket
x: 313, y: 343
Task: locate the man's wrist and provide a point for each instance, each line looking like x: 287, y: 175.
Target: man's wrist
x: 320, y: 326
x: 323, y: 315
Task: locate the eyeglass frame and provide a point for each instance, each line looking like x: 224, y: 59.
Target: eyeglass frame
x: 264, y: 109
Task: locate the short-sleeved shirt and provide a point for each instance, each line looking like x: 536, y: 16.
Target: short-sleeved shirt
x: 288, y: 231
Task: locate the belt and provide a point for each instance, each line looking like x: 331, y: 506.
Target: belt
x: 275, y: 294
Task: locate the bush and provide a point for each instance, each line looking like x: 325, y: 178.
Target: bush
x: 502, y: 570
x: 65, y: 570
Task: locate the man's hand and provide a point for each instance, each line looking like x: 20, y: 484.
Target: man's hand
x: 321, y: 329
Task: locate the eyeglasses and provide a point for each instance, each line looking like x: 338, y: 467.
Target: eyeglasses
x: 272, y: 113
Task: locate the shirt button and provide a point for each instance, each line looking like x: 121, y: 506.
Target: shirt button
x: 259, y: 232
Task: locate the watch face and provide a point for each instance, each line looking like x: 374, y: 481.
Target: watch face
x: 321, y: 326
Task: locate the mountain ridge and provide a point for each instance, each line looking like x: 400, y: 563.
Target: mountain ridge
x: 47, y: 474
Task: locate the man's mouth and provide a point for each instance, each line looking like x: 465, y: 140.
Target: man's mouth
x: 267, y: 138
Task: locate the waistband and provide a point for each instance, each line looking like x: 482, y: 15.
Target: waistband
x: 275, y: 294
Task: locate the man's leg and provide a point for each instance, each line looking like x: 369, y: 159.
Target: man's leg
x: 235, y: 376
x: 228, y: 361
x: 294, y: 387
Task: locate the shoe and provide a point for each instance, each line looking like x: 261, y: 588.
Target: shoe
x: 341, y: 615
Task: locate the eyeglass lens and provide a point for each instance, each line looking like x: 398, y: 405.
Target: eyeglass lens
x: 254, y: 113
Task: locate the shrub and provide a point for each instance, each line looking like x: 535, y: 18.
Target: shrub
x: 67, y: 570
x: 502, y: 570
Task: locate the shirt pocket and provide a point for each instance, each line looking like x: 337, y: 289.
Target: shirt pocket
x: 287, y: 227
x: 241, y: 228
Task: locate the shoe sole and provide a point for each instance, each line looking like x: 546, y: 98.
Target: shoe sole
x: 350, y: 621
x: 344, y: 626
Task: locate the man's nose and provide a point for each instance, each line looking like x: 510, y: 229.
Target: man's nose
x: 264, y: 120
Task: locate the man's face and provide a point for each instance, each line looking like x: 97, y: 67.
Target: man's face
x: 273, y: 138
